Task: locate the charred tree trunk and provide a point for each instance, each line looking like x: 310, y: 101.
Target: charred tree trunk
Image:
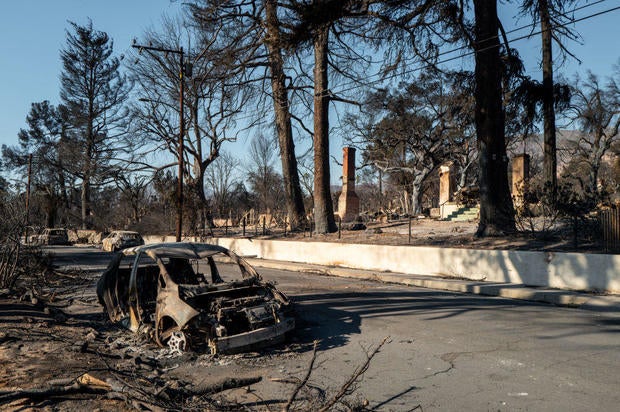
x: 405, y: 200
x: 88, y: 155
x: 416, y: 200
x: 51, y: 209
x: 550, y: 159
x: 598, y: 151
x: 496, y: 208
x: 323, y: 206
x: 64, y: 197
x: 205, y: 212
x: 294, y: 197
x: 417, y: 189
x: 84, y: 200
x: 199, y: 169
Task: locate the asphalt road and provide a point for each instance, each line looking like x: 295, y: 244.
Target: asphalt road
x: 447, y: 351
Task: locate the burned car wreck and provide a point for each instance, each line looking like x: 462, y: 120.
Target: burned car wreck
x: 194, y: 296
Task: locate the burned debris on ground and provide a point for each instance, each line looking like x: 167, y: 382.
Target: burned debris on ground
x: 59, y: 350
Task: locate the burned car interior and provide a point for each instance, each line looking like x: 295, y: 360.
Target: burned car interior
x: 194, y: 296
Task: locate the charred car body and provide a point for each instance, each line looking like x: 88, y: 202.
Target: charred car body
x: 181, y: 295
x: 121, y: 239
x: 51, y: 236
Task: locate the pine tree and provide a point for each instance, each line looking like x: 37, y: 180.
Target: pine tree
x: 94, y: 91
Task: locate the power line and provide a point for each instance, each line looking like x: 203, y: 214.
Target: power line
x: 413, y: 70
x: 470, y: 53
x: 534, y: 23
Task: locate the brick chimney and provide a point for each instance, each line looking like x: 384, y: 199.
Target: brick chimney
x: 348, y: 202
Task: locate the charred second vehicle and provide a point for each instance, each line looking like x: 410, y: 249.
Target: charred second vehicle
x: 194, y: 295
x: 121, y: 239
x: 51, y: 236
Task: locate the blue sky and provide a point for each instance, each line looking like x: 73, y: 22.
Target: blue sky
x: 598, y: 49
x: 32, y: 32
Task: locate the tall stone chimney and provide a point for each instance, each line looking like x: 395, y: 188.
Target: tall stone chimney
x: 520, y: 177
x: 348, y: 202
x: 445, y: 183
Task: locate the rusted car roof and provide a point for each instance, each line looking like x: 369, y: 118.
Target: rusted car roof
x: 185, y: 250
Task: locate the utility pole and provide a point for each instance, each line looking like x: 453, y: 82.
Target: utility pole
x: 181, y: 129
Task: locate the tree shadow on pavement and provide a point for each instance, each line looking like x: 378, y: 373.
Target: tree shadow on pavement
x: 332, y: 318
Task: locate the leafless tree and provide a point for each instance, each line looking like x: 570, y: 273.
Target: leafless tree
x: 220, y: 179
x: 264, y: 181
x: 409, y: 132
x: 333, y: 29
x: 256, y: 50
x: 595, y: 108
x: 212, y: 99
x: 133, y: 193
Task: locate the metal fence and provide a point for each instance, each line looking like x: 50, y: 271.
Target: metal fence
x: 610, y: 226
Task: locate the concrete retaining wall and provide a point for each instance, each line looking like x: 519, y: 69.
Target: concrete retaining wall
x: 577, y: 271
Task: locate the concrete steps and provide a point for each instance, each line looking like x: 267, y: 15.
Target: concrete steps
x: 463, y: 214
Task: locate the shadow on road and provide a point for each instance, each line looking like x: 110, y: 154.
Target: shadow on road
x: 80, y: 258
x: 332, y: 318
